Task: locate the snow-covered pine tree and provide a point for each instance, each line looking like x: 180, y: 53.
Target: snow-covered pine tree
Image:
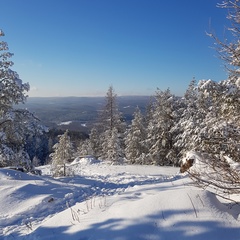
x: 135, y: 150
x: 159, y: 136
x: 84, y: 148
x: 221, y: 129
x: 203, y: 125
x: 229, y: 52
x: 220, y: 132
x: 63, y: 152
x: 112, y: 147
x: 95, y: 142
x: 111, y: 120
x: 109, y: 113
x: 149, y: 112
x: 15, y: 124
x: 191, y: 117
x: 110, y: 116
x: 12, y: 88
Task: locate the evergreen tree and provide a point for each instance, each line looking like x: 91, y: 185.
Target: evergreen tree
x: 149, y: 112
x: 135, y: 140
x: 220, y: 104
x: 110, y: 115
x: 203, y: 124
x: 12, y: 88
x: 95, y: 142
x: 159, y: 139
x: 112, y: 150
x: 190, y: 119
x: 15, y: 124
x: 220, y: 132
x: 85, y: 148
x: 111, y: 121
x: 63, y: 152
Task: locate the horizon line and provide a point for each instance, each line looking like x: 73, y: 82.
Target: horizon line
x: 86, y: 96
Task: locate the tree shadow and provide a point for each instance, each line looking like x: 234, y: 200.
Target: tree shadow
x: 153, y: 227
x: 59, y: 194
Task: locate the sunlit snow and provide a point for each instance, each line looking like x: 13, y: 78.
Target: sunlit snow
x: 118, y: 202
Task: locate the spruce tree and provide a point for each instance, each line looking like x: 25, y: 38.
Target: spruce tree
x: 63, y: 152
x: 220, y: 104
x: 111, y: 125
x: 135, y: 140
x: 95, y: 142
x: 159, y: 138
x: 189, y: 121
x: 112, y: 147
x: 85, y: 148
x: 15, y: 124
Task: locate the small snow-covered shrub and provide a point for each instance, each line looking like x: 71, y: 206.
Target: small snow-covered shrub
x: 219, y: 173
x: 193, y: 160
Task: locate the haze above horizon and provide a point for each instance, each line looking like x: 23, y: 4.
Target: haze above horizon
x: 81, y: 47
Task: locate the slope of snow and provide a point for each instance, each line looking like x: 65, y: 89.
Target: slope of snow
x: 103, y: 202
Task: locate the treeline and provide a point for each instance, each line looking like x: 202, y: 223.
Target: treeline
x: 205, y: 119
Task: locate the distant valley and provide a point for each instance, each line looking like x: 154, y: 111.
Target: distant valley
x: 79, y: 113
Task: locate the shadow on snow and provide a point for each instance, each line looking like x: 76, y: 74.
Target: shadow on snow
x: 151, y: 228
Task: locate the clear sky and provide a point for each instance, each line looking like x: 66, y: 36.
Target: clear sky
x: 81, y: 47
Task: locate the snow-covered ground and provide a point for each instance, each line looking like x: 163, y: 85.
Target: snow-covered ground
x: 103, y: 202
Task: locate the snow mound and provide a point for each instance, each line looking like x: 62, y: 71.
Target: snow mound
x: 9, y: 174
x: 88, y: 160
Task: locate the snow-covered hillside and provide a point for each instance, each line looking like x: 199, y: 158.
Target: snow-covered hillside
x: 104, y: 201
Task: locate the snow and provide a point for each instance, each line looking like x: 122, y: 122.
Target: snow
x: 233, y: 164
x: 197, y: 157
x: 118, y: 202
x: 238, y: 82
x: 65, y: 123
x: 70, y: 122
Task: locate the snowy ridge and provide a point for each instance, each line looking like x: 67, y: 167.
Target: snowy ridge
x: 105, y: 201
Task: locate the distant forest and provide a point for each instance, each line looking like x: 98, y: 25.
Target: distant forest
x: 81, y: 111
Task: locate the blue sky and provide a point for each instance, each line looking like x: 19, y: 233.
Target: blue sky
x: 81, y: 47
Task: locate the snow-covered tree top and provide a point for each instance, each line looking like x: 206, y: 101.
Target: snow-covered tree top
x: 12, y: 89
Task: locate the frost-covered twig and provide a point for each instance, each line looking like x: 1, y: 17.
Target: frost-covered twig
x: 75, y: 214
x: 217, y: 175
